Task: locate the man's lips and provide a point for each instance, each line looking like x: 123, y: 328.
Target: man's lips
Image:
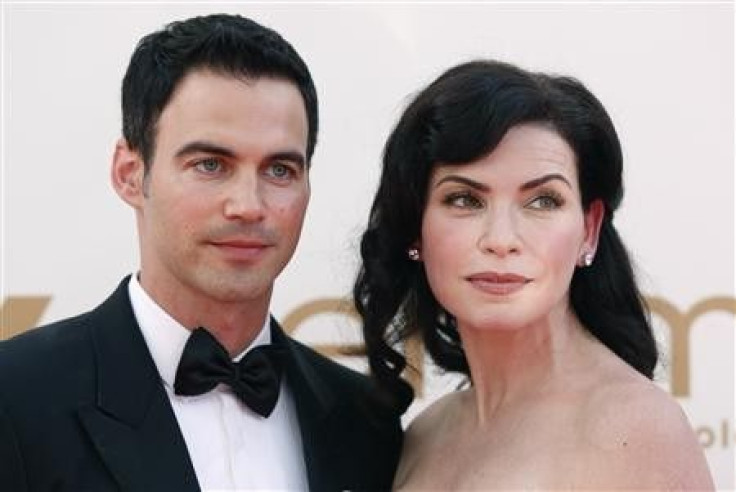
x: 240, y: 243
x: 241, y: 249
x: 498, y: 283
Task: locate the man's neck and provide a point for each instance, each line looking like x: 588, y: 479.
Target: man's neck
x: 234, y: 323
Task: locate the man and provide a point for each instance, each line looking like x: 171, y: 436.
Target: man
x: 180, y: 380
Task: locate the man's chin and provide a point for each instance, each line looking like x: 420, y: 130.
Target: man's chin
x: 238, y: 291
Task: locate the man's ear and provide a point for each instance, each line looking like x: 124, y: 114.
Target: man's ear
x: 128, y: 174
x: 593, y: 221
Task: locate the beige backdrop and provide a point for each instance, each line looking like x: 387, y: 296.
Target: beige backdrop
x: 665, y: 72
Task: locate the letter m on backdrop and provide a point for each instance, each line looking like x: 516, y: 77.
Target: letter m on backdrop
x: 21, y: 313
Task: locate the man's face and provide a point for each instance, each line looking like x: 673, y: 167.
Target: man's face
x: 224, y: 200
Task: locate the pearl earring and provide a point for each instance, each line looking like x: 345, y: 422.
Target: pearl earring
x: 413, y: 254
x: 588, y: 259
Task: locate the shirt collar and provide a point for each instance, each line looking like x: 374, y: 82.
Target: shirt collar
x: 166, y: 337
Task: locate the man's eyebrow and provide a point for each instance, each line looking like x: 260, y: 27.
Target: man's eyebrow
x: 544, y: 179
x: 199, y: 146
x: 463, y: 180
x: 290, y: 156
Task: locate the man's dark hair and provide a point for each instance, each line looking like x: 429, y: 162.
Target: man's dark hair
x: 226, y: 44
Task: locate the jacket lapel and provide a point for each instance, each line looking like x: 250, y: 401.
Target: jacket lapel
x: 132, y: 424
x: 315, y: 402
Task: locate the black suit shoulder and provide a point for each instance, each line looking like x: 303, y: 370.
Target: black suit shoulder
x: 40, y: 363
x: 353, y: 434
x: 351, y: 386
x: 82, y: 408
x: 45, y: 375
x: 47, y: 341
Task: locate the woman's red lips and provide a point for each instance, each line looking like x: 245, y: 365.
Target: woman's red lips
x: 498, y: 283
x: 498, y: 277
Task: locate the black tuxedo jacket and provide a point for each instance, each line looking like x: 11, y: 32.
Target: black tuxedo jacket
x: 82, y: 407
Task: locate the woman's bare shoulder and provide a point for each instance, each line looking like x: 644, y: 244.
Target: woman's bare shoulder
x: 428, y: 423
x: 636, y: 435
x: 427, y: 427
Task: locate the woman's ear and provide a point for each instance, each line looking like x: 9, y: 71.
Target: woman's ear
x: 593, y: 219
x: 128, y: 174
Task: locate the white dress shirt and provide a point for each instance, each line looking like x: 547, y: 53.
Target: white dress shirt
x: 231, y: 447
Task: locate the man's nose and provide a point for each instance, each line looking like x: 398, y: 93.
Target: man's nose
x: 243, y: 199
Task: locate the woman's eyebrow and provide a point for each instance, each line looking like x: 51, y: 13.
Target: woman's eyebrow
x: 544, y: 179
x: 463, y: 180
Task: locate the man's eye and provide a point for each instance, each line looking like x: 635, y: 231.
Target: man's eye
x: 280, y: 171
x: 209, y: 165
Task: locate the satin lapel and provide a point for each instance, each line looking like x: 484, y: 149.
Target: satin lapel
x: 132, y: 425
x: 315, y: 405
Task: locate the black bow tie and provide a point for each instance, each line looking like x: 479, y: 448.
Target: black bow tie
x: 255, y: 379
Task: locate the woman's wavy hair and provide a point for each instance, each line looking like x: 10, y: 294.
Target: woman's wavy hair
x: 461, y: 117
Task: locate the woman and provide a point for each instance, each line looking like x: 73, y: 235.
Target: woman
x: 492, y: 236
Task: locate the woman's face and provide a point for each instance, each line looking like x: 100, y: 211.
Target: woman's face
x: 502, y: 235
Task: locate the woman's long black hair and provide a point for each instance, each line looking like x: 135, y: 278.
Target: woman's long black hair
x: 461, y: 117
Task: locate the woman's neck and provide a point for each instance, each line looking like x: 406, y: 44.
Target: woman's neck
x: 508, y: 366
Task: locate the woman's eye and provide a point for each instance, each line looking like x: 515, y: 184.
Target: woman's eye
x: 209, y: 165
x: 462, y: 200
x: 545, y: 202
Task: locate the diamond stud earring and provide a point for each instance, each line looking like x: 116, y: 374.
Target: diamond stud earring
x: 588, y: 259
